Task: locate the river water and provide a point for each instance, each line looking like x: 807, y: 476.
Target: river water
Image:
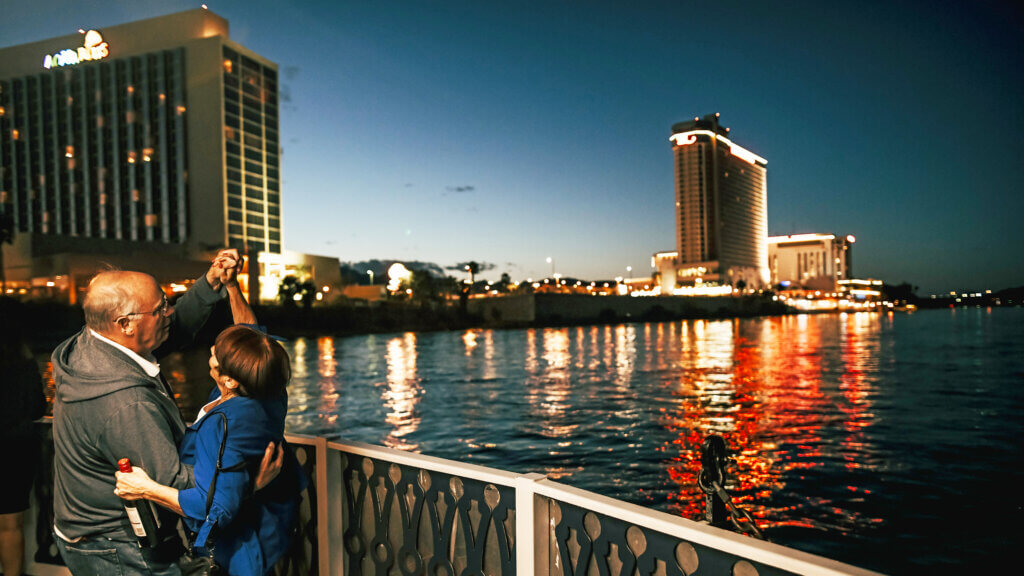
x: 887, y: 440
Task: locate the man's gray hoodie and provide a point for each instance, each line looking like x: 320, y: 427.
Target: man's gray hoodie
x: 106, y: 408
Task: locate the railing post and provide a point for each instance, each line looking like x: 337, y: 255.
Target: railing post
x: 331, y: 489
x: 531, y: 527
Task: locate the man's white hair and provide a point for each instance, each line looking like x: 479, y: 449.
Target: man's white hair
x: 108, y: 297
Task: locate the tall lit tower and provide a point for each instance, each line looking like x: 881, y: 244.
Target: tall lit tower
x: 721, y: 208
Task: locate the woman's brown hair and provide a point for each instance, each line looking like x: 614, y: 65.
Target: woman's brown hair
x: 255, y: 360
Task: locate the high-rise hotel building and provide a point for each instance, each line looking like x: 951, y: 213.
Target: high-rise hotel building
x: 721, y: 209
x: 149, y: 144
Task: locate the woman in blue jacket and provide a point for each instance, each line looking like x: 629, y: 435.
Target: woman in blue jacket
x: 247, y: 532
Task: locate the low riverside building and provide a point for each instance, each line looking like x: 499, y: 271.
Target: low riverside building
x: 810, y: 261
x: 147, y: 145
x: 575, y: 308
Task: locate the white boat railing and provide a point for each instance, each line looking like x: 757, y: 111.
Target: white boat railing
x: 375, y: 510
x: 390, y: 511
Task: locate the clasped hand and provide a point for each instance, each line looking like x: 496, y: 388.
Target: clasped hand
x: 224, y: 269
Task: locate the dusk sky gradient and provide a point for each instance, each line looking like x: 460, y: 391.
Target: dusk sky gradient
x: 508, y: 132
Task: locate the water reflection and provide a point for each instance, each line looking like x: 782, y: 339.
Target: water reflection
x: 554, y: 386
x: 770, y: 387
x: 327, y: 369
x: 403, y: 391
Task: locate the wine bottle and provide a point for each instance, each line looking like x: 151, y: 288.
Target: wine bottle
x: 140, y: 514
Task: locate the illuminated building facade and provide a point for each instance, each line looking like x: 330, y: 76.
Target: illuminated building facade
x: 149, y: 144
x: 810, y: 261
x: 721, y: 208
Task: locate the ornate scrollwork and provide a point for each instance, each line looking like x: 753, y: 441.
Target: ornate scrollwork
x: 302, y: 557
x: 591, y: 544
x: 424, y: 522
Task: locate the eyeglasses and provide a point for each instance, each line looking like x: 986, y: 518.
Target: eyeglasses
x: 159, y: 311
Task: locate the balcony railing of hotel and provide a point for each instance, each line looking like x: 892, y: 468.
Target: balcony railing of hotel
x: 372, y: 510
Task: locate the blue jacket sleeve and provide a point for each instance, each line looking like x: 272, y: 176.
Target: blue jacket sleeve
x: 245, y: 431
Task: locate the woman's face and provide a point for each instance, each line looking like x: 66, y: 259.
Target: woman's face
x: 215, y: 372
x: 222, y: 386
x: 214, y: 365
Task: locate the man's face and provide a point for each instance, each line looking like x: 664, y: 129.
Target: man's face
x: 151, y: 318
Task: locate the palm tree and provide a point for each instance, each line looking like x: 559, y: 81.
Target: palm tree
x: 291, y: 286
x: 472, y: 267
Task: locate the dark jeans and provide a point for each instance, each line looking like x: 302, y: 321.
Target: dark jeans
x: 102, y: 556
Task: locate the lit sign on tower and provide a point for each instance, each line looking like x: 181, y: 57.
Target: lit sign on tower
x: 94, y: 48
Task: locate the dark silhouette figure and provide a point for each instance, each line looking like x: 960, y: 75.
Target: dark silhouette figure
x: 21, y: 402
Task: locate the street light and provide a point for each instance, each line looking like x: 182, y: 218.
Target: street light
x: 370, y: 272
x: 552, y: 262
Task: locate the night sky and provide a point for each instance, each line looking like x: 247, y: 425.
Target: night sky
x: 510, y: 132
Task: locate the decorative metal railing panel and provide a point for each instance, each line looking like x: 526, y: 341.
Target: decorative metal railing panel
x: 586, y: 543
x: 402, y: 519
x: 302, y: 558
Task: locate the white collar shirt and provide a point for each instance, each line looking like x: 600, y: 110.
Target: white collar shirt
x: 151, y: 367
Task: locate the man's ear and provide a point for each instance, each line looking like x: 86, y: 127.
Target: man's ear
x: 124, y: 324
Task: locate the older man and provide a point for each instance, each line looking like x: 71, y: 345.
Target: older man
x: 111, y: 402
